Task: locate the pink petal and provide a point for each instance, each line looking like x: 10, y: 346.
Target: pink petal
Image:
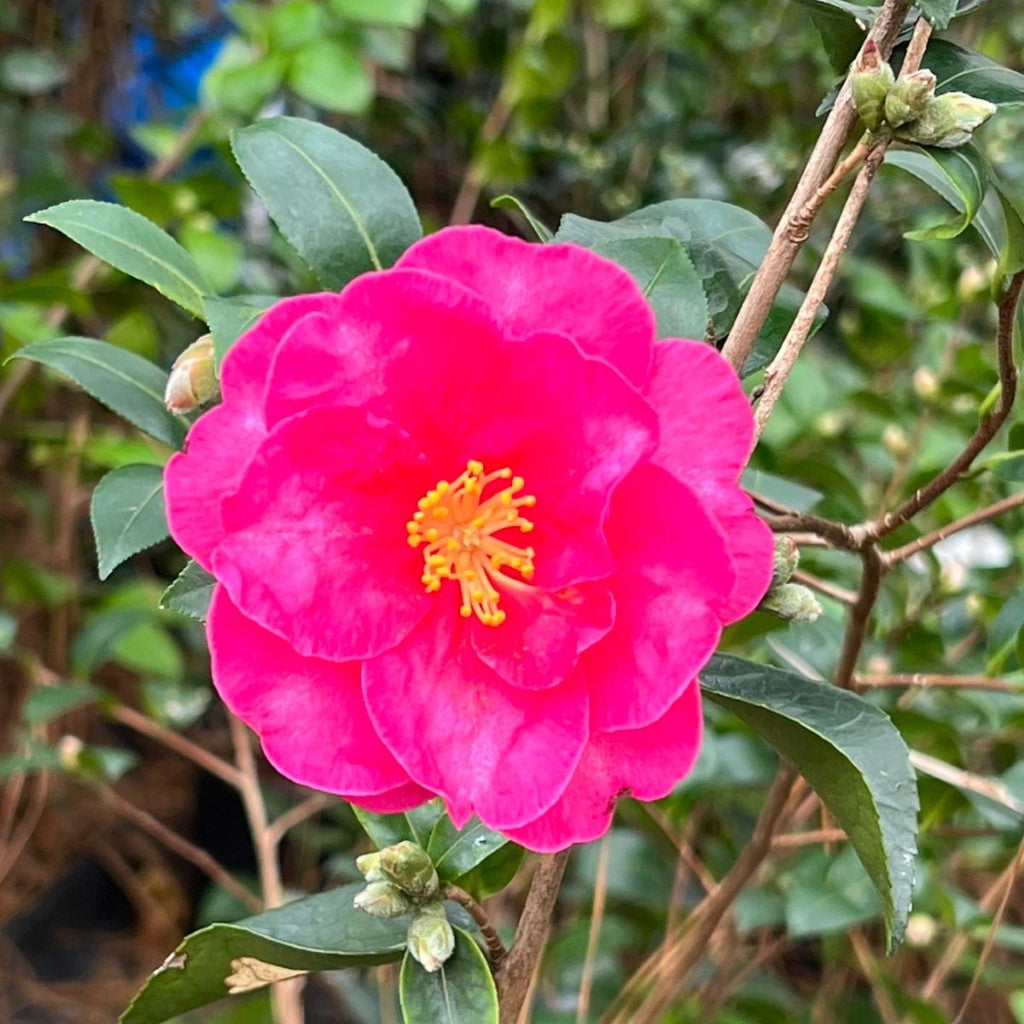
x: 486, y: 747
x: 540, y: 641
x: 316, y: 550
x: 643, y: 763
x: 674, y: 569
x: 222, y: 441
x: 707, y: 431
x: 548, y: 288
x: 394, y: 801
x: 309, y: 714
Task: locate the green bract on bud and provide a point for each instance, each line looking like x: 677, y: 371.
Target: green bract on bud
x: 193, y: 378
x: 368, y: 866
x: 948, y: 121
x: 870, y: 81
x: 409, y: 867
x: 907, y: 99
x: 792, y: 601
x: 382, y: 899
x: 431, y: 939
x: 784, y: 561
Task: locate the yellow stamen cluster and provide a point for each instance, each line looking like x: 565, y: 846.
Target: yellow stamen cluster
x: 457, y: 527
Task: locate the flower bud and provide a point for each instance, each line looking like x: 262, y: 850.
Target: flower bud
x: 926, y: 384
x: 895, y: 441
x: 431, y: 939
x: 870, y: 81
x: 408, y: 866
x: 907, y: 99
x: 792, y: 601
x: 382, y: 899
x: 368, y: 865
x: 948, y: 121
x: 784, y: 561
x: 193, y: 378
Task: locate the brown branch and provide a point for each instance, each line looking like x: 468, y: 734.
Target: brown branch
x: 837, y: 593
x: 496, y: 951
x: 987, y: 429
x: 839, y: 535
x: 782, y: 252
x: 927, y: 680
x: 181, y: 846
x: 517, y: 969
x: 860, y: 616
x: 280, y: 826
x: 983, y: 515
x: 594, y: 932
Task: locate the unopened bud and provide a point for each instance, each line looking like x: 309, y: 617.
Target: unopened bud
x: 382, y: 899
x: 948, y: 121
x: 784, y: 561
x: 870, y: 81
x: 926, y: 385
x: 410, y: 868
x: 792, y: 601
x: 431, y: 939
x: 922, y: 930
x: 69, y: 753
x: 368, y: 865
x: 895, y: 441
x: 193, y: 378
x: 908, y: 97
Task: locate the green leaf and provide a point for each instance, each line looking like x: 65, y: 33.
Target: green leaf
x: 456, y: 853
x: 400, y: 13
x: 127, y: 514
x: 229, y: 319
x: 461, y: 992
x: 415, y: 825
x: 48, y: 702
x: 938, y: 12
x: 342, y: 208
x: 960, y: 176
x: 319, y: 933
x: 97, y: 641
x: 510, y: 202
x: 240, y: 80
x: 669, y: 281
x: 493, y: 873
x: 136, y: 246
x: 331, y: 75
x: 124, y: 382
x: 190, y: 594
x: 850, y: 752
x: 31, y: 72
x: 961, y: 70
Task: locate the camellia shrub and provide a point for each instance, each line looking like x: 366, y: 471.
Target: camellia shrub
x: 466, y: 526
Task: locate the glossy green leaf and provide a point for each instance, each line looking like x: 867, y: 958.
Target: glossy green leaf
x: 669, y: 281
x: 960, y: 70
x: 493, y: 873
x: 455, y: 853
x: 331, y: 75
x: 509, y: 202
x: 124, y: 382
x: 462, y: 991
x: 960, y: 176
x: 127, y: 514
x: 319, y: 933
x: 850, y: 752
x: 938, y: 12
x: 415, y: 825
x: 342, y: 208
x: 229, y: 319
x: 136, y: 246
x: 191, y: 593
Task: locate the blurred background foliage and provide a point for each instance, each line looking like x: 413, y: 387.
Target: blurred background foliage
x: 590, y: 106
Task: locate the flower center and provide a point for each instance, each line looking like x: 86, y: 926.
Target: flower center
x: 458, y: 529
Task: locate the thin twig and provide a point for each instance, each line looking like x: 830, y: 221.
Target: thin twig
x: 314, y: 804
x: 860, y: 616
x: 930, y: 680
x: 870, y: 970
x: 837, y: 593
x: 997, y: 792
x: 594, y: 932
x: 983, y: 515
x: 496, y: 951
x: 517, y: 969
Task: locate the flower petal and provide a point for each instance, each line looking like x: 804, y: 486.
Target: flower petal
x: 644, y: 763
x: 222, y: 441
x: 548, y: 287
x: 488, y: 748
x: 316, y: 548
x: 674, y: 567
x: 707, y: 431
x: 543, y: 634
x: 308, y: 713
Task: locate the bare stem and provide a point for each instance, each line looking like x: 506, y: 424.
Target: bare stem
x: 860, y: 616
x: 298, y: 814
x: 517, y: 969
x: 927, y: 680
x: 496, y: 951
x: 594, y: 932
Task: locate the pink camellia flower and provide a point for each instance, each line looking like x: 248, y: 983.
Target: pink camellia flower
x: 475, y: 534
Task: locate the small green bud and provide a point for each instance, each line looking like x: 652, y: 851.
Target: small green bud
x: 948, y: 121
x: 907, y: 99
x: 382, y: 899
x: 368, y: 866
x: 792, y: 601
x: 871, y: 78
x: 409, y: 867
x: 193, y: 378
x: 431, y: 939
x: 784, y: 561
